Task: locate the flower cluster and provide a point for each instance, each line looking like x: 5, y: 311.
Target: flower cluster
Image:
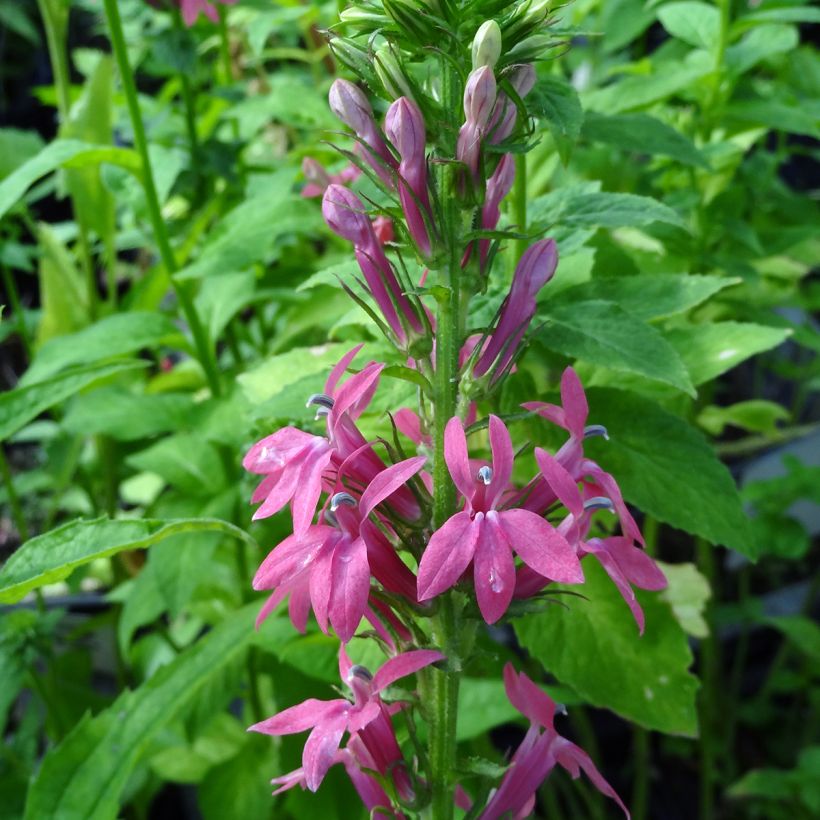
x: 191, y: 9
x: 389, y: 536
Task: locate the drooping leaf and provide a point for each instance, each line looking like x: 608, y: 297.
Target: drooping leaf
x: 667, y: 469
x: 696, y: 23
x: 556, y: 101
x: 650, y: 297
x: 593, y: 645
x: 642, y: 134
x: 19, y: 406
x: 710, y: 349
x: 603, y: 333
x: 84, y: 776
x: 117, y: 335
x: 50, y: 557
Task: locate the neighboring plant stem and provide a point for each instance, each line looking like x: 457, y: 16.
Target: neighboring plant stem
x: 205, y: 352
x: 17, y: 308
x: 519, y: 207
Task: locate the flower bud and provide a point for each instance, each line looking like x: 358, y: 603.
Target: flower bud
x: 391, y: 74
x: 498, y: 186
x: 522, y: 79
x: 344, y: 213
x: 351, y: 106
x: 479, y: 96
x: 486, y: 45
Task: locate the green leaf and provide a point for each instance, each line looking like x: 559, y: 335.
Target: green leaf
x: 19, y: 406
x: 602, y: 209
x: 16, y: 147
x: 50, y: 557
x: 185, y: 461
x: 84, y: 776
x: 801, y: 631
x: 593, y: 646
x: 127, y: 416
x: 61, y: 153
x: 642, y: 134
x: 116, y: 335
x: 687, y: 594
x: 693, y: 22
x: 759, y: 44
x: 755, y: 415
x: 775, y: 114
x: 650, y: 297
x: 556, y: 101
x: 708, y: 350
x: 667, y: 469
x: 602, y: 333
x: 482, y: 705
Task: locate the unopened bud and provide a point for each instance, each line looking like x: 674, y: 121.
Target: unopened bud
x: 344, y: 213
x: 479, y: 96
x: 404, y: 127
x: 391, y: 74
x: 486, y: 45
x: 351, y: 106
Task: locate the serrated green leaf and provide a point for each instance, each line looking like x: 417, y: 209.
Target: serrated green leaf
x: 603, y: 333
x: 116, y: 335
x: 708, y: 350
x: 642, y: 134
x: 593, y: 646
x: 83, y: 777
x: 667, y: 469
x: 650, y: 297
x: 556, y: 101
x: 19, y: 406
x: 50, y: 557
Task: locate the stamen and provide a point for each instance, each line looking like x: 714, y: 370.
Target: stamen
x: 330, y: 519
x: 596, y: 430
x: 322, y: 399
x: 360, y: 672
x: 337, y: 500
x: 485, y: 475
x: 321, y: 413
x: 599, y: 503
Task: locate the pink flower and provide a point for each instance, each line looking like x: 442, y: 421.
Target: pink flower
x: 191, y: 9
x: 535, y: 269
x: 366, y: 718
x: 318, y: 178
x: 487, y: 537
x: 539, y: 752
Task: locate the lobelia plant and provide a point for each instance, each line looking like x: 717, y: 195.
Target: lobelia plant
x: 427, y: 546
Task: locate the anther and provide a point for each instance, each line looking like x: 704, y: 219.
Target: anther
x: 360, y: 672
x: 338, y: 499
x: 599, y: 503
x: 485, y: 475
x: 322, y: 399
x: 596, y: 430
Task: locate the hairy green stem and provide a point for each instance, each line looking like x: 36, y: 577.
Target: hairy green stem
x: 205, y: 352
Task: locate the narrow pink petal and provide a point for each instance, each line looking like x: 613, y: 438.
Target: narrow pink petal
x: 298, y: 718
x: 573, y: 758
x: 575, y: 404
x: 361, y: 717
x: 272, y: 602
x: 447, y: 556
x: 320, y: 581
x: 388, y: 481
x: 264, y: 487
x: 356, y: 387
x: 350, y: 586
x: 541, y: 547
x: 613, y: 491
x: 636, y: 565
x: 321, y: 747
x: 275, y: 451
x: 340, y: 368
x: 551, y: 412
x: 560, y: 482
x: 402, y: 665
x: 299, y: 603
x: 502, y: 449
x: 455, y: 454
x: 281, y: 493
x: 529, y: 699
x: 291, y: 555
x: 408, y: 423
x: 309, y: 488
x: 385, y: 564
x: 493, y: 569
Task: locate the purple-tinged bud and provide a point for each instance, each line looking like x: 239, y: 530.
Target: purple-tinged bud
x: 351, y: 106
x: 522, y: 79
x: 498, y: 186
x: 534, y: 270
x: 345, y: 216
x: 404, y: 126
x: 479, y: 100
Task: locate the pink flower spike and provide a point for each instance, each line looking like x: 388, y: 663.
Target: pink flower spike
x: 191, y: 10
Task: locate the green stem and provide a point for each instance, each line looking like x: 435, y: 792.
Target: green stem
x: 205, y: 353
x: 14, y: 500
x: 641, y: 753
x: 225, y: 45
x: 17, y: 308
x: 519, y: 207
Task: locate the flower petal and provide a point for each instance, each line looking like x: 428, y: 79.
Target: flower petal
x: 298, y: 718
x: 402, y: 665
x: 309, y: 487
x: 455, y: 454
x: 575, y: 404
x: 493, y: 569
x: 321, y: 746
x: 350, y: 586
x: 502, y: 449
x: 529, y: 699
x: 388, y: 481
x: 357, y: 387
x: 290, y: 556
x: 541, y: 547
x: 560, y: 482
x: 447, y: 556
x: 340, y: 368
